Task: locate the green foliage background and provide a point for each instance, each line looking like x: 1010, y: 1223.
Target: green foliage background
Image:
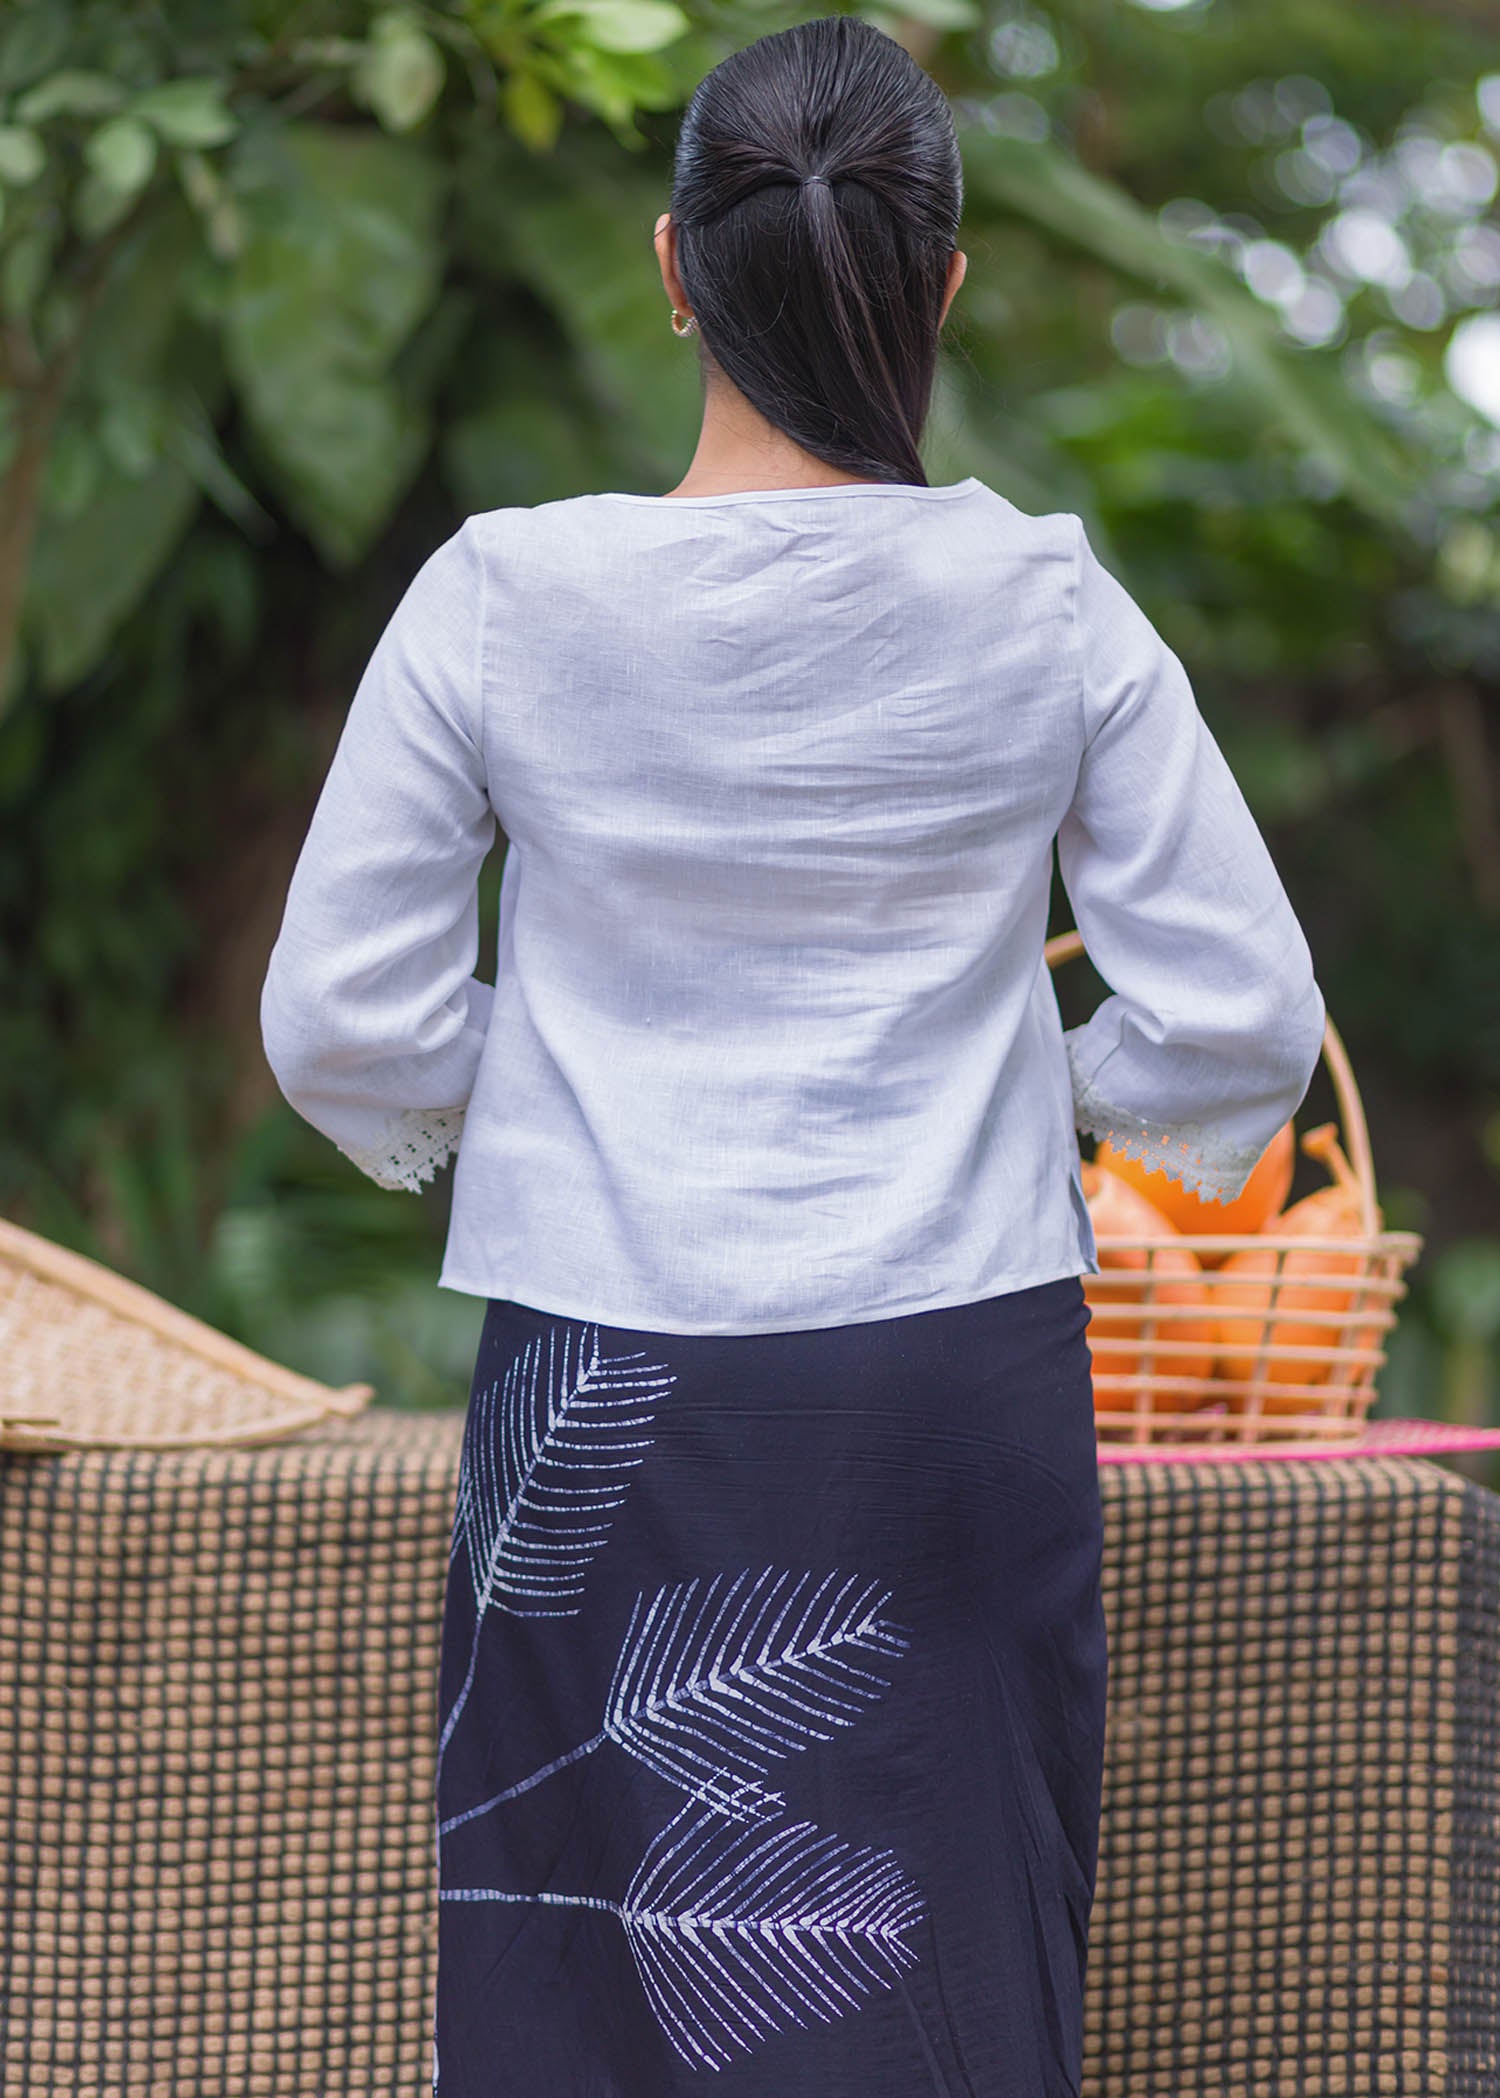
x: 286, y: 290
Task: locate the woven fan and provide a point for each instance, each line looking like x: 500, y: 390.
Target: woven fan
x: 89, y: 1360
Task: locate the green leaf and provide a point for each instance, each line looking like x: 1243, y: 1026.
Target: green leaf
x: 23, y: 270
x: 342, y: 258
x: 131, y: 334
x: 531, y: 109
x: 188, y: 112
x: 98, y: 206
x: 22, y: 154
x: 400, y: 72
x: 614, y: 84
x: 89, y: 571
x: 1300, y: 391
x: 132, y: 427
x: 69, y: 94
x: 204, y: 189
x: 32, y: 42
x: 578, y: 228
x: 619, y: 25
x: 72, y: 473
x: 122, y: 154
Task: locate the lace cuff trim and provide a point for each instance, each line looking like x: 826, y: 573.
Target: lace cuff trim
x: 411, y: 1152
x: 1192, y: 1152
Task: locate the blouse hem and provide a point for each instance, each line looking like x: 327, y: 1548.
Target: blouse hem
x: 595, y: 1314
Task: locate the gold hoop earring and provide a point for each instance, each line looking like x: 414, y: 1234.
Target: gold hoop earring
x: 692, y: 322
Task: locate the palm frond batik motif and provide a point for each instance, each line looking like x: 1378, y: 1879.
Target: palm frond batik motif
x: 718, y: 1680
x: 547, y: 1453
x: 741, y: 1931
x: 743, y: 1922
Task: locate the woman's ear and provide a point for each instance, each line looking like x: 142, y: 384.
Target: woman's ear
x: 958, y: 263
x: 665, y: 240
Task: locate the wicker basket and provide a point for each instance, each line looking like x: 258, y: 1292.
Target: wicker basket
x: 91, y: 1360
x: 1149, y: 1401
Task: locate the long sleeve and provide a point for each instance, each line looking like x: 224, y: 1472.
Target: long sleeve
x: 371, y: 1017
x: 1215, y: 1022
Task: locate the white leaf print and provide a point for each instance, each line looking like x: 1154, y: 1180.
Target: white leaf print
x: 547, y: 1452
x: 715, y: 1683
x: 709, y: 1695
x: 740, y: 1932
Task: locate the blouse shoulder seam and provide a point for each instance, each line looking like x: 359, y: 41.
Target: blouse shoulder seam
x: 1075, y: 625
x: 481, y: 644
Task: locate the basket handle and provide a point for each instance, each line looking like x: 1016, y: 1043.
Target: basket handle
x: 1066, y: 946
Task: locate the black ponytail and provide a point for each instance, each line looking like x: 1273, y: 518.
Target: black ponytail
x: 816, y: 192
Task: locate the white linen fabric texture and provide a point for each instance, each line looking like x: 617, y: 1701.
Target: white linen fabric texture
x: 772, y: 1043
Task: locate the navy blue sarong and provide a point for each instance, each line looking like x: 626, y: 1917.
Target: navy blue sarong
x: 771, y: 1709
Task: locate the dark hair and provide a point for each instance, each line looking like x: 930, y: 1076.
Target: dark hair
x: 816, y: 192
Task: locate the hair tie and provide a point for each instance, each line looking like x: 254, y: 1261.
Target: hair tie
x: 814, y: 178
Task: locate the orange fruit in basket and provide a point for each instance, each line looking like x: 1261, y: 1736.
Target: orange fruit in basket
x: 1261, y: 1196
x: 1333, y: 1212
x: 1119, y: 1211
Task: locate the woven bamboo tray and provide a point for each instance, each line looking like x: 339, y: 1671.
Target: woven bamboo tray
x: 1318, y: 1390
x: 90, y: 1360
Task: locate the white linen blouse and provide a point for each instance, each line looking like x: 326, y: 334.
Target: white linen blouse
x: 771, y: 1042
